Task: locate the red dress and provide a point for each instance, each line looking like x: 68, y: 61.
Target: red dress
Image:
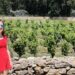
x: 5, y: 63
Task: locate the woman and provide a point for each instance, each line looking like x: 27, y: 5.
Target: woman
x: 5, y: 58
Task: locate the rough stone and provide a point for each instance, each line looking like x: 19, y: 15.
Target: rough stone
x: 43, y: 66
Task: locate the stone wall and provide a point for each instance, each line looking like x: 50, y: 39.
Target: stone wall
x: 43, y: 66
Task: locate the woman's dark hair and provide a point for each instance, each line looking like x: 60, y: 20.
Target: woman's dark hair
x: 3, y: 32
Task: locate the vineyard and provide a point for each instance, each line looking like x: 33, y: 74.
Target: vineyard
x: 39, y: 38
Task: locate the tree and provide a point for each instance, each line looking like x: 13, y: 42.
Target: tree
x: 39, y: 7
x: 59, y: 8
x: 4, y: 7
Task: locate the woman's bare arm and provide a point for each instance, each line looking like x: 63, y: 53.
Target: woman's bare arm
x: 9, y: 56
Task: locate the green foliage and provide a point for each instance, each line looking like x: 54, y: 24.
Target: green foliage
x: 26, y: 36
x: 38, y: 7
x: 59, y: 8
x: 51, y: 47
x: 65, y: 48
x: 4, y: 7
x: 19, y: 48
x: 33, y: 42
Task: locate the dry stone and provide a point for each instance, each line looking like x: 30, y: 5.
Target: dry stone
x: 43, y: 66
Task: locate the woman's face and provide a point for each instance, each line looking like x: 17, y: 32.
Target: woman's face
x: 1, y: 28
